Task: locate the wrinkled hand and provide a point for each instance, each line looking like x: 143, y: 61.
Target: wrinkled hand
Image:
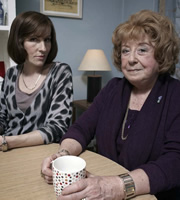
x: 94, y: 188
x: 46, y: 170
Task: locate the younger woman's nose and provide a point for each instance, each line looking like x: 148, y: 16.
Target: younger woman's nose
x: 42, y: 46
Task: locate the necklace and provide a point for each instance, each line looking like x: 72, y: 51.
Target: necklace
x: 124, y: 122
x: 31, y: 88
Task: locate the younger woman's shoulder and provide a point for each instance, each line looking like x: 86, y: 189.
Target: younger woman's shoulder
x: 60, y: 70
x: 13, y: 70
x: 61, y: 66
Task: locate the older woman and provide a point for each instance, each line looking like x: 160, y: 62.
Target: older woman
x: 136, y: 119
x: 36, y: 96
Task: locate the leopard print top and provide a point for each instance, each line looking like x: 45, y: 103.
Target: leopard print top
x: 51, y: 110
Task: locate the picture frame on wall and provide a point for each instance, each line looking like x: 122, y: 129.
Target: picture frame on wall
x: 62, y: 8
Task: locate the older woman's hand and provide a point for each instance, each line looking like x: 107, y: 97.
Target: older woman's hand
x: 46, y: 171
x: 46, y: 168
x: 94, y: 188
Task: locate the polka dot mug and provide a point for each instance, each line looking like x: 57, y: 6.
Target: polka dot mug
x: 67, y: 170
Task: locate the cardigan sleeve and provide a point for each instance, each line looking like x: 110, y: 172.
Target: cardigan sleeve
x: 3, y: 105
x: 164, y: 172
x: 3, y: 110
x: 59, y: 115
x: 84, y: 128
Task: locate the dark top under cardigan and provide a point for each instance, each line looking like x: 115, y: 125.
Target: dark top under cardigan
x: 153, y: 143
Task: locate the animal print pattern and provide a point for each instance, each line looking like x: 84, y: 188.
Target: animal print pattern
x: 51, y: 110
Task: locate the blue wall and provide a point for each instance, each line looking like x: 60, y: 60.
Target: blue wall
x: 94, y: 30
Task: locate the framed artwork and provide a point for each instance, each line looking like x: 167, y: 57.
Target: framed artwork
x: 62, y: 8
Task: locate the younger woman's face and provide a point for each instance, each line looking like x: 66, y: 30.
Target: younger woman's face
x: 38, y: 48
x: 138, y: 63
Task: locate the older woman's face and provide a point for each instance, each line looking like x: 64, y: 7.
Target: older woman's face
x: 138, y: 63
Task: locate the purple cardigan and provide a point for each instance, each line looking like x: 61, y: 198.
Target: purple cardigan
x: 153, y: 143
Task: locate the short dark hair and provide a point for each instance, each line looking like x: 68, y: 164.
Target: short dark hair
x: 160, y: 31
x: 27, y: 24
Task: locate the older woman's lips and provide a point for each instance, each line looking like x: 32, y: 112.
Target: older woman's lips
x: 134, y: 70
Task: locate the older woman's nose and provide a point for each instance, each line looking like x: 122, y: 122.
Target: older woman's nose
x: 132, y: 59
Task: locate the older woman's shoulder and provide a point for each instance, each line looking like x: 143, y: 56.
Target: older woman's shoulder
x: 174, y: 87
x: 114, y: 84
x: 174, y: 81
x: 115, y: 81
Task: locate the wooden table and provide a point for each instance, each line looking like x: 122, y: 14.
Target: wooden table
x: 20, y: 172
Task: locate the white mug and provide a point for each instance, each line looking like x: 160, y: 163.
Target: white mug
x: 67, y: 170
